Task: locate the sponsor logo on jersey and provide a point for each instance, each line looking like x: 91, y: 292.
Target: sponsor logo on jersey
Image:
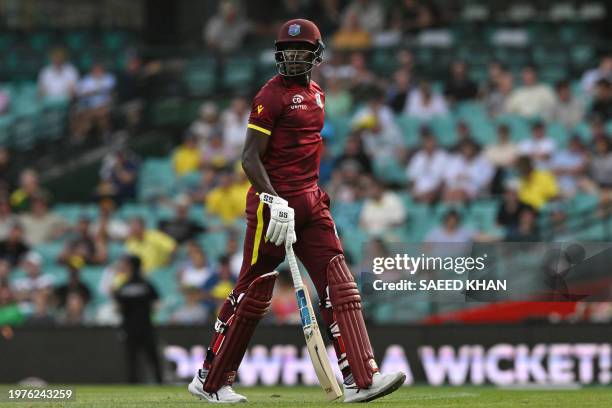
x: 294, y: 29
x: 297, y: 98
x: 297, y: 102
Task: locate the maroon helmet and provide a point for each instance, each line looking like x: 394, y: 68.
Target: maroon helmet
x: 299, y: 47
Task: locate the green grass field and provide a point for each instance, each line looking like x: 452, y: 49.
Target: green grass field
x: 417, y: 396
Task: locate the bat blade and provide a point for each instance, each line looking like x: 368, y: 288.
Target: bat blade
x: 316, y: 346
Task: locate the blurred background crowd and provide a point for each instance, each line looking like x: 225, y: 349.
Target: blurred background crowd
x: 121, y: 128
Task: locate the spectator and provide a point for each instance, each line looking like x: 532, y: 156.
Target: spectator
x: 10, y: 311
x: 459, y: 87
x: 369, y: 13
x: 5, y: 271
x: 220, y: 284
x: 153, y: 248
x: 603, y: 71
x: 533, y: 98
x: 284, y: 308
x: 351, y: 35
x: 29, y: 186
x: 234, y: 121
x: 424, y: 103
x: 382, y: 210
x: 527, y: 228
x: 362, y: 79
x: 59, y: 79
x: 234, y: 252
x: 426, y: 169
x: 467, y: 174
x: 181, y: 228
x: 216, y: 154
x: 451, y: 231
x: 5, y: 102
x: 42, y: 225
x: 227, y: 201
x: 504, y: 152
x: 34, y: 281
x: 196, y: 270
x: 118, y: 176
x: 84, y: 248
x: 415, y: 16
x: 131, y: 89
x: 137, y: 298
x: 186, y: 158
x: 509, y: 212
x: 6, y: 171
x: 192, y: 311
x: 7, y: 218
x: 537, y: 187
x: 397, y: 94
x: 497, y: 95
x: 539, y: 148
x: 569, y: 166
x: 94, y: 93
x: 567, y: 110
x: 338, y: 100
x: 354, y: 153
x: 464, y: 134
x: 13, y: 247
x: 73, y: 285
x: 107, y: 226
x: 502, y: 155
x: 601, y: 108
x: 41, y: 314
x: 344, y: 185
x: 600, y: 170
x: 226, y: 30
x: 380, y: 135
x: 73, y: 314
x: 207, y: 124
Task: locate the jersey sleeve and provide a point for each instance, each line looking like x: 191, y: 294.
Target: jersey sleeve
x: 267, y: 107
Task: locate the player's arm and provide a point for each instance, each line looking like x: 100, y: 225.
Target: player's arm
x: 254, y: 149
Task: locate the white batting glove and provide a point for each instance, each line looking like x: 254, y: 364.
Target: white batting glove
x: 281, y: 228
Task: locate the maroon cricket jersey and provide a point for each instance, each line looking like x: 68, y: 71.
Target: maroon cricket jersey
x: 292, y: 117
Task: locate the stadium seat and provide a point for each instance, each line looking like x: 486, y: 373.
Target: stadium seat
x: 238, y: 73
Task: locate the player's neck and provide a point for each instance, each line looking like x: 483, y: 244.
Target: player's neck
x: 302, y: 80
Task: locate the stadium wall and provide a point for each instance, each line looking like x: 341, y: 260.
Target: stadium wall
x: 505, y: 355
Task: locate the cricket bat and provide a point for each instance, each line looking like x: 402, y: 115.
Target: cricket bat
x: 314, y: 341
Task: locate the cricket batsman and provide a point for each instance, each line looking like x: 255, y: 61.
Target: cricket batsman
x: 281, y: 158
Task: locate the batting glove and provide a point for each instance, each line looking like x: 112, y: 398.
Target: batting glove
x: 281, y: 228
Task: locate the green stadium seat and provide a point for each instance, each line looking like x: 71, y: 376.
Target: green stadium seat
x: 77, y: 40
x: 558, y: 132
x: 24, y: 134
x: 114, y: 40
x: 6, y: 122
x: 200, y: 80
x: 40, y: 42
x: 444, y: 130
x: 410, y: 127
x: 238, y: 73
x: 53, y: 120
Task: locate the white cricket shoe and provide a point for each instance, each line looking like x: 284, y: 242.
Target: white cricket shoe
x: 381, y: 386
x: 223, y: 395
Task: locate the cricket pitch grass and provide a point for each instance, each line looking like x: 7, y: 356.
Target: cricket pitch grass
x: 407, y: 396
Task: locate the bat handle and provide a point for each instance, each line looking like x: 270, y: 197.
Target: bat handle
x: 293, y: 267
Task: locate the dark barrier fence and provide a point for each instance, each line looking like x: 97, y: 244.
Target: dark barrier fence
x: 499, y: 354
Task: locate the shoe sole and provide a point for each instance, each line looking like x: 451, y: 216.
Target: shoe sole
x: 391, y: 388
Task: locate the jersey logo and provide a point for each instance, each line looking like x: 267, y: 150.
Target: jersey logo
x: 298, y: 98
x: 259, y: 109
x: 294, y: 29
x: 319, y: 100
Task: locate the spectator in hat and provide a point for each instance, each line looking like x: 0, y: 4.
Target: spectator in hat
x: 35, y: 280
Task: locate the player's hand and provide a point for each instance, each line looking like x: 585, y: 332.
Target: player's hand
x: 281, y: 228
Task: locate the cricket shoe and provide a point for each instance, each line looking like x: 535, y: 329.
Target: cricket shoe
x: 224, y: 394
x: 381, y: 386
